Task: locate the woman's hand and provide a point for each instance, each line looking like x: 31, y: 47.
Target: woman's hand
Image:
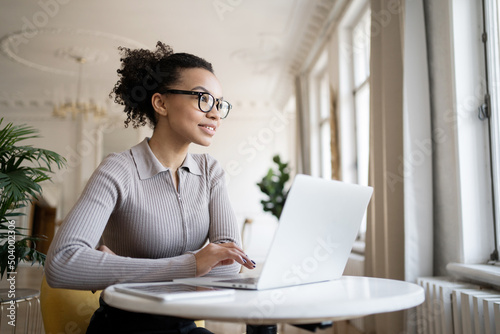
x: 213, y: 255
x: 105, y: 249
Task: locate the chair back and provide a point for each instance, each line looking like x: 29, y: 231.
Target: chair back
x: 69, y: 311
x: 65, y: 310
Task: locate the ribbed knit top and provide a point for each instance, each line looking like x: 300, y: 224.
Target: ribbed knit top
x: 132, y: 203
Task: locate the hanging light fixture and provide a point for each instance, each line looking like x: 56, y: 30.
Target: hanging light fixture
x: 76, y: 107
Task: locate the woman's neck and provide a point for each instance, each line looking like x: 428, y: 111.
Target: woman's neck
x: 167, y: 152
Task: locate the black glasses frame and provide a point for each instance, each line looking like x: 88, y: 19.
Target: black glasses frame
x: 217, y: 102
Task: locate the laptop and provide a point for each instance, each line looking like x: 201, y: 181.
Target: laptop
x: 316, y: 231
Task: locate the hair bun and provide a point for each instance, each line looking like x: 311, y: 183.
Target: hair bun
x: 144, y: 73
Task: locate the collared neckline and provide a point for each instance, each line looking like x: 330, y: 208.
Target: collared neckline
x: 148, y: 165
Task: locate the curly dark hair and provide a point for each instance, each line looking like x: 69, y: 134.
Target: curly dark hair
x: 144, y: 73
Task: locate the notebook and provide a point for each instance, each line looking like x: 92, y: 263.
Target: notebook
x: 170, y: 291
x: 316, y: 231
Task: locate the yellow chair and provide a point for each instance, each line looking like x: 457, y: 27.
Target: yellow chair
x: 69, y: 311
x: 65, y: 310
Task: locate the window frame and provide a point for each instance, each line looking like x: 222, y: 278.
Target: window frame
x: 320, y: 117
x: 492, y: 13
x: 357, y: 90
x: 348, y: 111
x: 474, y: 183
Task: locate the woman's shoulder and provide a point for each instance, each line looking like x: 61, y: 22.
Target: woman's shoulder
x: 122, y: 159
x: 113, y: 172
x: 208, y: 166
x: 120, y: 163
x: 205, y: 161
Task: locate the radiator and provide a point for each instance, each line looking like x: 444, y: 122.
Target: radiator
x: 455, y: 307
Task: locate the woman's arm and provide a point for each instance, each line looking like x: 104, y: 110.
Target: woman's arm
x: 72, y: 260
x: 224, y: 231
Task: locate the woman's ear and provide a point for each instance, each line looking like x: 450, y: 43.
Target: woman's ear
x: 158, y: 102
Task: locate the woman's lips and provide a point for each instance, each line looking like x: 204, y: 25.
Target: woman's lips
x: 208, y: 128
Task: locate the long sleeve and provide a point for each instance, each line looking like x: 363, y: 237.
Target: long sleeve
x: 223, y: 227
x: 73, y: 262
x: 132, y: 204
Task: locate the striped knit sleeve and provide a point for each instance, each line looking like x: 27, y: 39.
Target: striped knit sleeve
x: 72, y: 260
x: 223, y: 225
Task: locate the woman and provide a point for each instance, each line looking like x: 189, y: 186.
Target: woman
x: 150, y: 210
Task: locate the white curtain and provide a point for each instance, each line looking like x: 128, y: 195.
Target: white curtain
x: 399, y: 238
x: 303, y: 152
x: 448, y: 245
x: 418, y: 146
x: 384, y: 254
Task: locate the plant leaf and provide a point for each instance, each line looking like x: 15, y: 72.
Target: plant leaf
x: 22, y: 168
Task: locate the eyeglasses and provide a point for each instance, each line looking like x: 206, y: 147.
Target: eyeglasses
x: 206, y: 101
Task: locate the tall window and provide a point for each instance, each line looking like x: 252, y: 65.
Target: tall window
x: 354, y: 95
x: 320, y: 119
x: 361, y: 93
x: 493, y: 56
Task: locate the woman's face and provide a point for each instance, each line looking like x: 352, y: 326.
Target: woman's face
x: 183, y: 117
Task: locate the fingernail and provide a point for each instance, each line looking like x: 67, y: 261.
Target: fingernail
x: 253, y: 261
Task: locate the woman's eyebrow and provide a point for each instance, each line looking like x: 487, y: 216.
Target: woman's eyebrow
x: 201, y: 88
x: 205, y: 90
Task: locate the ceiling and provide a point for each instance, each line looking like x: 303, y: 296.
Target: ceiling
x: 255, y: 46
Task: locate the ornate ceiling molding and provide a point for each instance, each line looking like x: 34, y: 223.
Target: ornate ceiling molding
x: 9, y: 45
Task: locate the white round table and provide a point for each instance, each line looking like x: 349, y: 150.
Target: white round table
x: 346, y: 298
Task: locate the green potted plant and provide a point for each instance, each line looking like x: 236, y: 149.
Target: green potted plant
x: 22, y: 169
x: 273, y: 186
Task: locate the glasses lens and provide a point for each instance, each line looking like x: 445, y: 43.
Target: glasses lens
x: 206, y: 102
x: 224, y: 108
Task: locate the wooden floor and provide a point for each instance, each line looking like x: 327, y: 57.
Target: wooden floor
x: 31, y: 278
